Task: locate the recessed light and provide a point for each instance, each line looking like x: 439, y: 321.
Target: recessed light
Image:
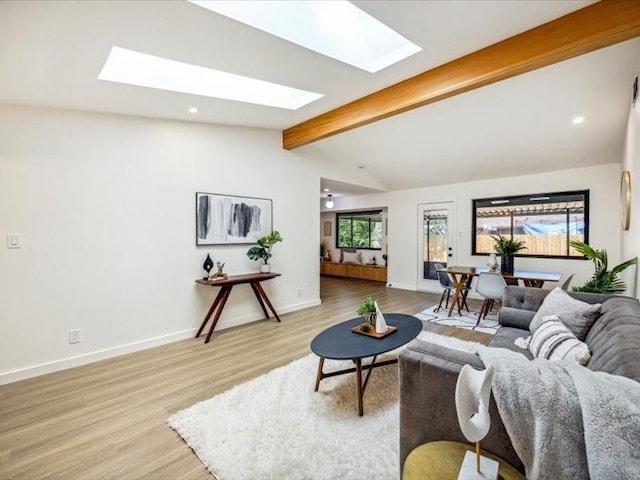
x: 193, y: 110
x: 327, y: 190
x: 577, y: 120
x: 334, y: 28
x: 135, y: 68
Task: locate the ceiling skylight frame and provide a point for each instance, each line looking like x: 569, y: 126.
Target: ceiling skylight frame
x: 334, y: 28
x: 135, y: 68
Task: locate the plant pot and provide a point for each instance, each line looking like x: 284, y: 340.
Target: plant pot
x: 265, y: 268
x: 370, y: 318
x: 506, y: 264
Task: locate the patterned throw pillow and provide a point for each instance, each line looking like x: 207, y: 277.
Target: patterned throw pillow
x: 578, y: 316
x: 554, y: 341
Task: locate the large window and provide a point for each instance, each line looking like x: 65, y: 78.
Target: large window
x: 360, y: 230
x: 545, y: 222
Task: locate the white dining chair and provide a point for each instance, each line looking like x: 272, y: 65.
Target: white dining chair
x: 567, y: 282
x: 490, y: 286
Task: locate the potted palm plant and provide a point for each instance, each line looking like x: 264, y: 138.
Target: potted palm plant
x: 262, y: 251
x: 507, y: 248
x: 603, y: 280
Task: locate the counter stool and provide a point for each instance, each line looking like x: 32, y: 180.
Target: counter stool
x: 442, y: 461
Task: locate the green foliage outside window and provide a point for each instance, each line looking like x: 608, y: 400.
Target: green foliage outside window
x: 360, y: 230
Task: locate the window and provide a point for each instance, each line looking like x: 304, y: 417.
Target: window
x: 359, y: 230
x: 546, y: 223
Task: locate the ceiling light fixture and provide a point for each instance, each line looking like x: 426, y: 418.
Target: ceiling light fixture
x: 135, y: 68
x: 329, y: 203
x: 193, y: 110
x: 334, y: 28
x: 327, y: 190
x: 577, y: 120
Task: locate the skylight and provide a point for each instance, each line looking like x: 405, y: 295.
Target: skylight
x: 135, y: 68
x: 335, y: 28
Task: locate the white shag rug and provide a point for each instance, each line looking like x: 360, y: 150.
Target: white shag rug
x: 467, y: 320
x: 276, y: 427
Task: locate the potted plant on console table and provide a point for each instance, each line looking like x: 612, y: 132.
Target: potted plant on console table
x: 262, y: 251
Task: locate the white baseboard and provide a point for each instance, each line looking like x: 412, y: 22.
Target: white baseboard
x: 91, y: 357
x: 400, y: 286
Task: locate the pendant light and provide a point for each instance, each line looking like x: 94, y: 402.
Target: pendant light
x: 329, y: 203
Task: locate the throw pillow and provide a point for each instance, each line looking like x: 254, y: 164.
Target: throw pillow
x: 348, y: 257
x: 554, y: 341
x: 578, y: 316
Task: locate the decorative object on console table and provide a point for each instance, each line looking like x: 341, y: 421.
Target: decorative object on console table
x: 262, y: 251
x: 507, y: 248
x: 207, y: 265
x: 229, y: 219
x: 603, y: 280
x: 473, y: 390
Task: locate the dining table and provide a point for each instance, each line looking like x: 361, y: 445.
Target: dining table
x: 461, y: 275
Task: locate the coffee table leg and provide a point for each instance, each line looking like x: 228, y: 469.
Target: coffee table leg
x: 359, y: 380
x: 319, y: 375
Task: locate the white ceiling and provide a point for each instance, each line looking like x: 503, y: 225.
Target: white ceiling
x: 51, y: 53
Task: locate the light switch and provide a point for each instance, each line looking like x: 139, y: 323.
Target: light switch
x: 14, y: 240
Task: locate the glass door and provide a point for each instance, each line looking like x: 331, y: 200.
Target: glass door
x: 435, y: 242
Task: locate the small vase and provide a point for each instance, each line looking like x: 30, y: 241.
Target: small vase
x: 506, y: 264
x: 492, y: 263
x: 265, y: 268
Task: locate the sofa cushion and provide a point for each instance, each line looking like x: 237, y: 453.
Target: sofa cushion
x: 614, y: 339
x: 351, y: 257
x: 554, y: 341
x: 505, y: 338
x: 576, y: 315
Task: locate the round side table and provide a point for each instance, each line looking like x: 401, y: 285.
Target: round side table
x: 442, y: 461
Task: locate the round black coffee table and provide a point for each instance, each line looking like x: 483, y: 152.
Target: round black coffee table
x: 338, y: 342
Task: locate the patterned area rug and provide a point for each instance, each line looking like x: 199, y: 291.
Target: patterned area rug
x: 467, y: 321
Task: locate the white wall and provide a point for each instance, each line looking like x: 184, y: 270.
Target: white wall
x: 630, y: 245
x: 604, y: 230
x: 367, y: 255
x: 105, y: 205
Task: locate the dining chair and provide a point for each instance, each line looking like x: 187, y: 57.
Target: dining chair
x: 490, y: 286
x: 448, y: 286
x: 567, y: 282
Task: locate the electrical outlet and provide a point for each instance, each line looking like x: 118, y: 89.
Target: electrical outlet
x: 299, y: 292
x: 74, y: 336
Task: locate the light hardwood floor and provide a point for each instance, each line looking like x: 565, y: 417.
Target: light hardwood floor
x: 107, y: 420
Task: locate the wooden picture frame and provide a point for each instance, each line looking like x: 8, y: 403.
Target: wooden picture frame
x: 231, y: 220
x: 326, y: 226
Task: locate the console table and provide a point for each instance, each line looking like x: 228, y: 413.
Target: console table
x: 253, y: 279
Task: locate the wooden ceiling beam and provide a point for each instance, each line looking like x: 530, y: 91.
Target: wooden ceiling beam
x: 597, y: 26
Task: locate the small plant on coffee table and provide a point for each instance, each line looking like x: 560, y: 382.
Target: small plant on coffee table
x: 367, y: 309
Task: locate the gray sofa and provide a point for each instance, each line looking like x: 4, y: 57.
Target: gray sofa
x: 428, y: 373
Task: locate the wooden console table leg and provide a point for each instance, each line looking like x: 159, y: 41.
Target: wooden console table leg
x: 319, y: 375
x: 266, y: 299
x: 359, y: 381
x: 257, y: 293
x: 211, y: 310
x: 225, y: 292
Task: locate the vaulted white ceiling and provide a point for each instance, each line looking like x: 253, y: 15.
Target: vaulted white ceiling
x: 51, y: 53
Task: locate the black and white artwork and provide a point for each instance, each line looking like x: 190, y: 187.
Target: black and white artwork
x: 227, y: 219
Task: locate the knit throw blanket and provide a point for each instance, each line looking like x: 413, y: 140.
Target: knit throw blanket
x: 566, y: 421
